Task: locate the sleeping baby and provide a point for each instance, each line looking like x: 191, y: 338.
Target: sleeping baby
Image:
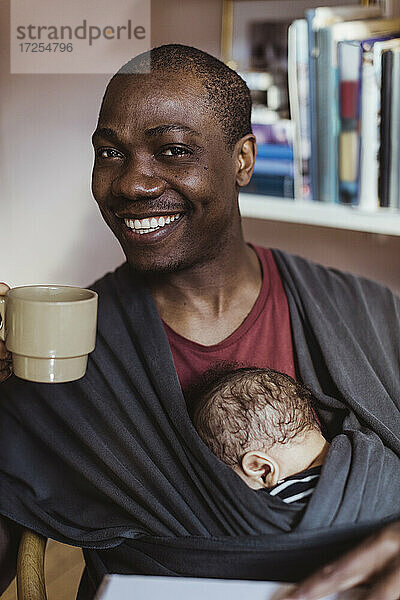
x: 261, y: 423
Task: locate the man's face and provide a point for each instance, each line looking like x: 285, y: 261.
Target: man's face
x: 163, y: 177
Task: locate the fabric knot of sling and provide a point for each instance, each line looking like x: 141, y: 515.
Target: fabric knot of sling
x: 112, y: 462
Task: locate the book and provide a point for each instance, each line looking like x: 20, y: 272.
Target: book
x: 328, y: 101
x: 349, y: 64
x: 281, y: 186
x: 323, y: 162
x: 390, y: 7
x: 278, y: 132
x: 328, y: 92
x: 371, y: 83
x: 394, y: 186
x: 298, y: 80
x: 389, y: 165
x: 284, y: 151
x: 370, y: 121
x: 385, y: 129
x: 273, y: 166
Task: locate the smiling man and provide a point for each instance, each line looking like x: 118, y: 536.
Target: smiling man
x: 157, y: 174
x: 173, y: 146
x: 172, y: 149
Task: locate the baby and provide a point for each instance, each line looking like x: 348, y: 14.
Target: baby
x: 261, y: 423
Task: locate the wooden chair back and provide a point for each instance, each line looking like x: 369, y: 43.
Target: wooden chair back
x: 30, y: 567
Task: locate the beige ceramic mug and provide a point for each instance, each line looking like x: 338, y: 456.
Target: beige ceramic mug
x: 50, y: 330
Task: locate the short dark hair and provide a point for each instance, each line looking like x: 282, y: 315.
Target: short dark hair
x: 227, y: 92
x: 236, y: 410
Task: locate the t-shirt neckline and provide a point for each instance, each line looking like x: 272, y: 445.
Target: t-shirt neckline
x: 245, y: 325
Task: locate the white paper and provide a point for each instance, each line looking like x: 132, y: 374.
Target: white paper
x: 138, y: 587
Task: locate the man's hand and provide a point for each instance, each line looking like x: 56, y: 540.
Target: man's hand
x: 375, y: 562
x: 5, y: 356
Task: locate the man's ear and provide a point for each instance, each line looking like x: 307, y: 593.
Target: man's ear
x: 246, y: 156
x: 261, y: 468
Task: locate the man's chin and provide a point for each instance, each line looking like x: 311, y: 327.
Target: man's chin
x: 161, y: 265
x: 156, y: 268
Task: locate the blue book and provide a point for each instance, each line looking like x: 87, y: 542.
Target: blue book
x: 275, y: 151
x: 327, y: 118
x: 273, y: 166
x: 281, y: 186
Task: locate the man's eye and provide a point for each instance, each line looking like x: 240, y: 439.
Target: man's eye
x: 108, y: 153
x: 176, y: 151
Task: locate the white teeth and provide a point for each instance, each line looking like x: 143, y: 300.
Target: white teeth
x: 149, y: 224
x: 147, y: 230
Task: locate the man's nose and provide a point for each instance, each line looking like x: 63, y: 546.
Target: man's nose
x: 137, y: 182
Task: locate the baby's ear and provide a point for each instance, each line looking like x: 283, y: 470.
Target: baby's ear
x: 261, y: 468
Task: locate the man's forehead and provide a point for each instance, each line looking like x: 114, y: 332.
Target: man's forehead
x: 151, y: 132
x: 170, y: 99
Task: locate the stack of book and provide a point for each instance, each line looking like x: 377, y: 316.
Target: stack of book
x: 344, y: 88
x: 274, y: 168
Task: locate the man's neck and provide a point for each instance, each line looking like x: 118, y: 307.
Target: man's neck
x: 207, y: 303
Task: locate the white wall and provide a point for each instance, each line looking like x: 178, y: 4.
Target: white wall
x: 51, y: 230
x: 371, y: 255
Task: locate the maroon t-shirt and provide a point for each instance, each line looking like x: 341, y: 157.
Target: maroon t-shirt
x: 263, y: 339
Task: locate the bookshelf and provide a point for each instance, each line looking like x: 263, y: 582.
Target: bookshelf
x: 385, y: 221
x: 270, y: 208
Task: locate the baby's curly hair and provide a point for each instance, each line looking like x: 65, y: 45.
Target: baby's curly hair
x: 236, y: 410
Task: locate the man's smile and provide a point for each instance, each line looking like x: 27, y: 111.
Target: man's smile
x: 149, y: 224
x: 149, y: 228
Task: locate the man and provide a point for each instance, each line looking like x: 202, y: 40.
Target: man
x: 172, y: 149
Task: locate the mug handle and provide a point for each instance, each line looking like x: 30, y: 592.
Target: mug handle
x: 2, y: 318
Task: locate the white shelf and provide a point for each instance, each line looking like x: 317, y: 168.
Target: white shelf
x: 383, y: 220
